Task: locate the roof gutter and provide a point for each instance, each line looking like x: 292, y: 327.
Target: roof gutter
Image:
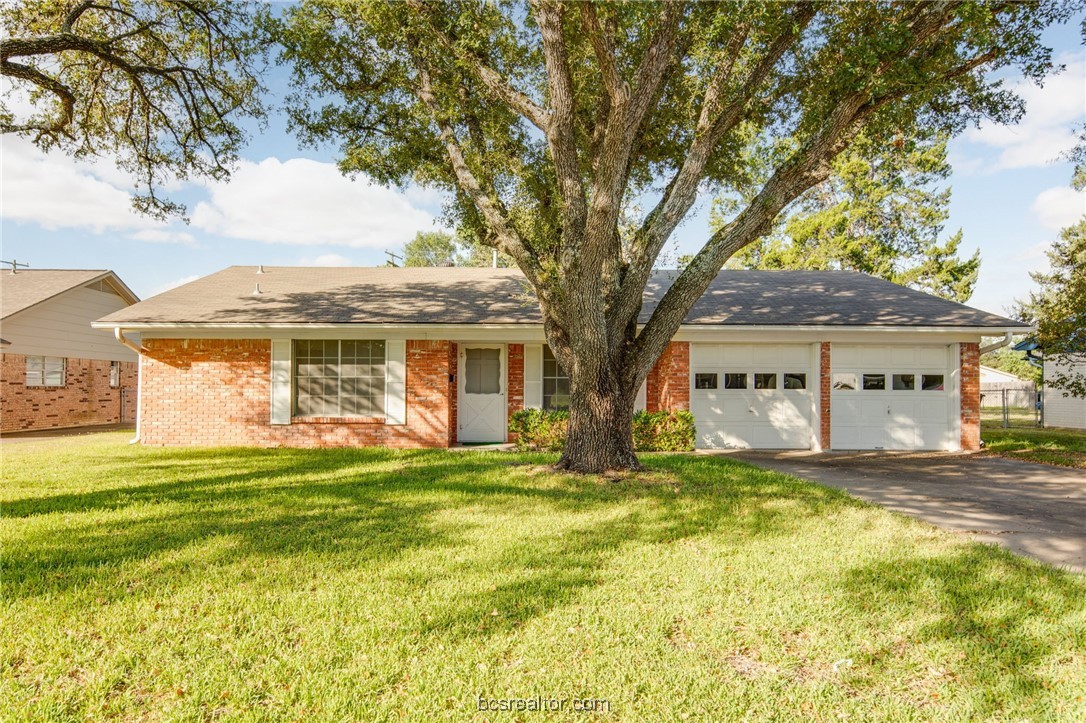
x: 118, y: 332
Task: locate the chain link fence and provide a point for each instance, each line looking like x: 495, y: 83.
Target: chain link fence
x: 1012, y: 405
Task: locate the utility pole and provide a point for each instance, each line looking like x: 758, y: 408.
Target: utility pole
x: 393, y: 257
x: 15, y: 265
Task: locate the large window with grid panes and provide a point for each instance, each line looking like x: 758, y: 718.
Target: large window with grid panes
x: 555, y: 383
x: 339, y: 378
x: 45, y: 371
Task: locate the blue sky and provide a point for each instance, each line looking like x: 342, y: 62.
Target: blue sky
x: 286, y: 205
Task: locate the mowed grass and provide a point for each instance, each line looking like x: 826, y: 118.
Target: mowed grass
x: 1065, y: 447
x: 374, y: 585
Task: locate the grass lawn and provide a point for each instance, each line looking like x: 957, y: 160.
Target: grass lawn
x: 1065, y: 447
x: 371, y: 585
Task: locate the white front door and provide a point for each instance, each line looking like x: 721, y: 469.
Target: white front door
x: 482, y: 409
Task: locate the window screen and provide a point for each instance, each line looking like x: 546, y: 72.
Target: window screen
x: 339, y: 378
x: 705, y: 380
x: 555, y: 382
x: 482, y: 371
x: 45, y: 371
x: 115, y: 374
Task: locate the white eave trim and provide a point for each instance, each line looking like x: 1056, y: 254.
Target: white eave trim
x: 684, y: 329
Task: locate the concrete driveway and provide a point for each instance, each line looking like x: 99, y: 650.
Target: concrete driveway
x: 1032, y: 509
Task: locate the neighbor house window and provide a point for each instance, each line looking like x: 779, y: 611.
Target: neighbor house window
x: 45, y: 371
x: 339, y: 378
x: 115, y: 374
x: 555, y: 383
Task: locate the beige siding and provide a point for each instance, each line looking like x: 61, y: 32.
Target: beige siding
x: 61, y: 326
x: 1061, y: 411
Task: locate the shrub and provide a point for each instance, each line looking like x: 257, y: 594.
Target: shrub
x: 666, y: 431
x: 539, y: 430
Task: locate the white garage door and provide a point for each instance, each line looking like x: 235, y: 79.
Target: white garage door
x: 892, y: 397
x: 752, y: 395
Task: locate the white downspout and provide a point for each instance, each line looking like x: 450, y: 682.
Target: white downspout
x: 1005, y: 341
x: 119, y: 334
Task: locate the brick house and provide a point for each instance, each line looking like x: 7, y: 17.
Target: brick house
x: 55, y: 370
x: 426, y: 357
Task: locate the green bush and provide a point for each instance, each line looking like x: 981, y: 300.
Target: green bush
x: 666, y: 431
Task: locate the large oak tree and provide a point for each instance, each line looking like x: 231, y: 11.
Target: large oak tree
x: 159, y: 86
x: 547, y: 121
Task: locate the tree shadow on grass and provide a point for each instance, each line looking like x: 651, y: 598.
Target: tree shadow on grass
x: 1001, y: 613
x: 366, y: 509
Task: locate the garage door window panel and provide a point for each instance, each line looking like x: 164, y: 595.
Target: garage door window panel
x: 904, y: 382
x: 874, y: 382
x: 735, y: 380
x: 705, y: 380
x: 795, y: 381
x: 932, y: 382
x: 765, y: 380
x: 844, y: 382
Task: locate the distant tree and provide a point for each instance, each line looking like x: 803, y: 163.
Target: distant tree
x: 159, y: 85
x: 1058, y: 310
x: 438, y: 248
x: 881, y: 211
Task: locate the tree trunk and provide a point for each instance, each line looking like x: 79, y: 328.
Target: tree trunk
x: 600, y: 433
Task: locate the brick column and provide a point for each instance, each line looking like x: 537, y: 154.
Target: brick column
x: 825, y: 389
x: 668, y: 383
x: 515, y: 393
x: 970, y: 395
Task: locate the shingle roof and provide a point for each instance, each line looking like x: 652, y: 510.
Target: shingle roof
x: 295, y: 295
x: 28, y: 287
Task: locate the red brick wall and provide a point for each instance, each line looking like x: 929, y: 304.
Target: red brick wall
x: 825, y: 389
x: 515, y: 394
x: 970, y: 386
x: 668, y: 383
x: 86, y: 397
x: 218, y: 392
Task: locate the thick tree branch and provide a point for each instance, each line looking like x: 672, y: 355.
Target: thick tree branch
x: 617, y: 88
x: 493, y: 81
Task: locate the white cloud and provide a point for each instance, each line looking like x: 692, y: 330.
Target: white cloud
x: 326, y: 260
x: 1058, y: 207
x: 305, y: 202
x: 56, y: 191
x: 1048, y: 128
x: 164, y: 236
x: 172, y: 284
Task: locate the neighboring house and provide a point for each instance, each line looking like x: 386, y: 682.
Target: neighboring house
x: 419, y: 357
x: 1060, y: 410
x: 56, y: 370
x: 988, y: 375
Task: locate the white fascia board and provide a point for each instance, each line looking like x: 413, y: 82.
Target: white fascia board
x: 534, y: 332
